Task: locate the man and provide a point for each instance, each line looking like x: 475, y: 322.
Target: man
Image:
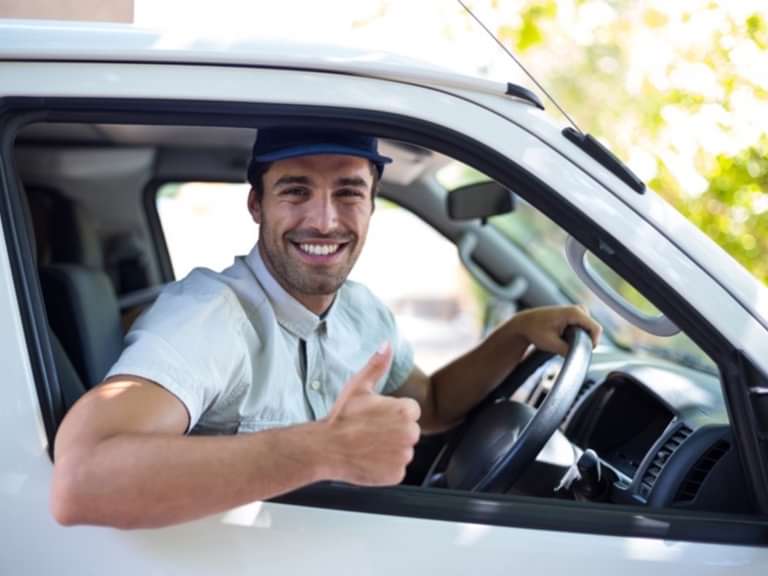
x: 280, y: 347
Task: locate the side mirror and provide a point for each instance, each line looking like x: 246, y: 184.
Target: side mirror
x: 481, y: 200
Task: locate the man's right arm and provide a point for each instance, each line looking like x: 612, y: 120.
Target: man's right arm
x: 121, y: 458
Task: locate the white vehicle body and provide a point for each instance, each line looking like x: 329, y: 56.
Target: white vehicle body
x: 78, y: 61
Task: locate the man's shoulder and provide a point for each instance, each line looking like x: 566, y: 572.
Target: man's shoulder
x: 362, y: 307
x: 201, y: 284
x: 230, y: 292
x: 357, y: 295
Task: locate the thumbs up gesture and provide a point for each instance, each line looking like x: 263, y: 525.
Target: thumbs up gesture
x: 371, y: 437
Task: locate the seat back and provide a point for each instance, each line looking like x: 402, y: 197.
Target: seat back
x: 80, y: 300
x: 69, y: 381
x: 83, y: 312
x: 36, y: 211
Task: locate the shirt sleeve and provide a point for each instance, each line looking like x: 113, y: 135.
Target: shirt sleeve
x: 188, y: 342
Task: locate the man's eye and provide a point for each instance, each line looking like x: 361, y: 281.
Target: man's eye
x: 296, y: 192
x: 349, y: 193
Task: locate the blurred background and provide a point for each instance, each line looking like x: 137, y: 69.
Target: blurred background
x: 678, y: 89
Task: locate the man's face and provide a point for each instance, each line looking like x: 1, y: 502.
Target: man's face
x: 313, y: 218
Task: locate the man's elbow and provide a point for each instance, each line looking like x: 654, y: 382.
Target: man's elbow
x: 70, y: 502
x: 65, y: 503
x: 73, y: 503
x: 70, y: 507
x: 64, y: 513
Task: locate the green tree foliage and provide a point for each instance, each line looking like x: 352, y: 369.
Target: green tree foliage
x: 677, y: 89
x: 734, y: 208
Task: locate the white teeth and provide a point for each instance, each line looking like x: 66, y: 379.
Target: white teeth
x: 319, y: 249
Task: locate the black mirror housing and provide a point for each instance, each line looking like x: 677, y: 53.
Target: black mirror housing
x: 480, y: 200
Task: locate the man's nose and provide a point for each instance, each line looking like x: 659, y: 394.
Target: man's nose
x: 323, y: 214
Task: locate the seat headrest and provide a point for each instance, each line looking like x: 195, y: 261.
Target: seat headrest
x: 65, y: 232
x: 84, y: 313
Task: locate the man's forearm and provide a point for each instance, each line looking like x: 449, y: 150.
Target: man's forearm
x: 459, y: 386
x: 455, y: 389
x: 140, y: 480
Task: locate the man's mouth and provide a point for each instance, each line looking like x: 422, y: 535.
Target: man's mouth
x: 319, y: 249
x: 321, y: 253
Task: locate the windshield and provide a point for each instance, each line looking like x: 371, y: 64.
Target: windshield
x: 544, y: 241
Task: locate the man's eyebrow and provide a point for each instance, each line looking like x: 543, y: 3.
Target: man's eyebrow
x: 351, y: 181
x: 293, y: 180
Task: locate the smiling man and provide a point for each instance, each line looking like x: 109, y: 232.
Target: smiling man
x: 277, y: 372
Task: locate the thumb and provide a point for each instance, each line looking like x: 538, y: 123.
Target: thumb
x: 364, y: 381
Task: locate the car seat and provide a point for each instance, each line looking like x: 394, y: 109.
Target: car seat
x: 80, y: 301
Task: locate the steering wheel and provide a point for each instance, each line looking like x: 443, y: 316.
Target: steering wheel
x: 499, y: 438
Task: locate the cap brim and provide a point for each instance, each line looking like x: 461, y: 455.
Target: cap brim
x: 321, y: 149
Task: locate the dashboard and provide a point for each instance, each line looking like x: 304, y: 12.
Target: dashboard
x: 621, y: 423
x: 659, y: 431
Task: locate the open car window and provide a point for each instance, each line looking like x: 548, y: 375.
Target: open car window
x: 411, y: 262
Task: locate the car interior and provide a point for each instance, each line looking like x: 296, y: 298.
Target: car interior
x: 641, y: 427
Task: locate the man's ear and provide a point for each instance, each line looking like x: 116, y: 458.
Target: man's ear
x: 254, y: 206
x: 374, y: 194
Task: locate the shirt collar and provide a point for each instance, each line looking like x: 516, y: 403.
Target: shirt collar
x: 290, y: 313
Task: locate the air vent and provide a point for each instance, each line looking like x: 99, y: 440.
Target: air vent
x: 696, y: 476
x: 653, y: 471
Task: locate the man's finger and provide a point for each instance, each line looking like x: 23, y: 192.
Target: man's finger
x: 409, y: 408
x: 596, y: 332
x: 585, y: 321
x: 364, y: 381
x: 556, y: 345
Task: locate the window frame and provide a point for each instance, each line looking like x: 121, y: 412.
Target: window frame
x: 502, y: 510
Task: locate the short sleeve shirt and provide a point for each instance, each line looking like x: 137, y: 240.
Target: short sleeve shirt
x: 243, y: 355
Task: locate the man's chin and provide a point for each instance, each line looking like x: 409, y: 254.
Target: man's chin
x: 321, y: 288
x: 309, y: 278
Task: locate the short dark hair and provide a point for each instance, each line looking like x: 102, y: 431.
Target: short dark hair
x: 256, y: 171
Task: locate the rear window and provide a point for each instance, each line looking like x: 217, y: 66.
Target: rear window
x: 205, y: 224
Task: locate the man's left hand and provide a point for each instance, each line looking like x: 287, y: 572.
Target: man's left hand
x: 544, y: 327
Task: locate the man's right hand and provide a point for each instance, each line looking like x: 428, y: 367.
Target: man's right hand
x: 371, y: 437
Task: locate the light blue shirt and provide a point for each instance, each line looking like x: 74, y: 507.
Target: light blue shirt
x: 243, y: 355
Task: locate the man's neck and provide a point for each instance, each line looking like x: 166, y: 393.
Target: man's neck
x: 316, y: 303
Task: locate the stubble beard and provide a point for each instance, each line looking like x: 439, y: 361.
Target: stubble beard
x: 296, y: 276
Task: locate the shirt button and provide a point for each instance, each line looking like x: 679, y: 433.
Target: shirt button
x: 315, y: 384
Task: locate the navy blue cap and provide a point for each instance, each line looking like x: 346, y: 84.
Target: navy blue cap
x: 273, y: 144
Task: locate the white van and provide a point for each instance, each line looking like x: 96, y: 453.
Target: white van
x: 110, y: 135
